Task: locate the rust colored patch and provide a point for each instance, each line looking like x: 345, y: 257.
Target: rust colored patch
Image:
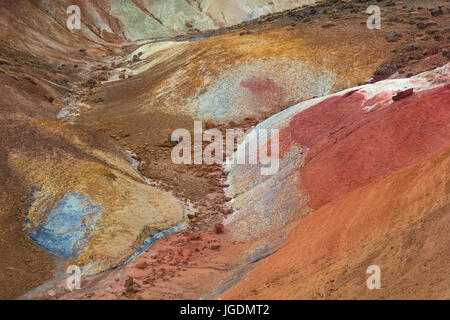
x: 264, y: 91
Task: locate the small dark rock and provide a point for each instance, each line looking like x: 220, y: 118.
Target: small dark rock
x: 228, y: 211
x: 191, y: 216
x: 218, y: 228
x: 421, y: 25
x: 92, y: 83
x: 386, y: 69
x: 431, y: 51
x: 403, y: 94
x: 195, y: 237
x: 136, y: 58
x: 437, y: 11
x: 392, y: 36
x: 129, y: 282
x: 327, y: 25
x: 411, y: 47
x: 390, y: 3
x: 141, y: 265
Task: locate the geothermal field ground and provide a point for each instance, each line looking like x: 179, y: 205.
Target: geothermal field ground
x: 224, y: 149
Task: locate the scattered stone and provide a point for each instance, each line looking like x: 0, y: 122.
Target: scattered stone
x: 431, y: 51
x: 129, y: 282
x: 386, y: 69
x: 215, y: 247
x: 437, y: 11
x: 31, y: 80
x: 92, y: 83
x: 411, y: 47
x: 175, y: 139
x: 403, y: 94
x: 141, y: 264
x: 390, y: 3
x: 131, y: 290
x: 136, y: 58
x: 195, y: 237
x: 97, y: 100
x: 191, y: 216
x: 328, y: 25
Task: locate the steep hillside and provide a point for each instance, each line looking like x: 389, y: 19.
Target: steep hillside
x: 345, y: 155
x: 121, y: 20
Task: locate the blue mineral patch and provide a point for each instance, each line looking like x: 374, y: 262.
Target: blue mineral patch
x: 64, y: 231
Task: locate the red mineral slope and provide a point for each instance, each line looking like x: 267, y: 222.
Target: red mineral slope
x: 399, y: 223
x: 352, y: 145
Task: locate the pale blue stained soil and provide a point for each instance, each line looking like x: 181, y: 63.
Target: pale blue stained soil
x: 64, y: 232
